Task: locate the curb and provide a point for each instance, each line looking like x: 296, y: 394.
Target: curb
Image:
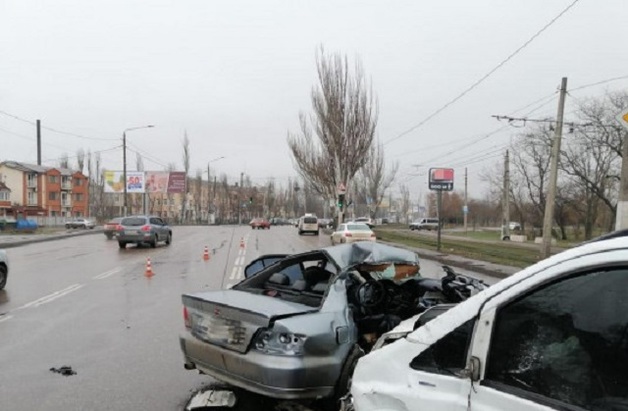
x: 52, y: 237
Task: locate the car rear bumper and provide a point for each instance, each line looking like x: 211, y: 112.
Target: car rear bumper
x: 282, y: 377
x: 136, y: 238
x: 356, y: 240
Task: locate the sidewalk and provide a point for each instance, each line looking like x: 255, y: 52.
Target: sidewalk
x: 17, y: 240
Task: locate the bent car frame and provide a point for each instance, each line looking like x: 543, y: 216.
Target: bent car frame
x: 296, y: 326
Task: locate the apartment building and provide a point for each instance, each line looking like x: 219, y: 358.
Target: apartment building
x: 35, y: 190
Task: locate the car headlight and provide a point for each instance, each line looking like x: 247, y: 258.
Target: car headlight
x: 279, y: 343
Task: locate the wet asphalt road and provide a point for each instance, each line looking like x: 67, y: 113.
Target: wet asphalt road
x: 84, y: 303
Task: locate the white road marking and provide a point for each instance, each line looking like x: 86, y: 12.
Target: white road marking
x: 234, y: 272
x: 229, y: 286
x: 107, y: 273
x: 5, y: 317
x: 240, y: 274
x: 53, y: 296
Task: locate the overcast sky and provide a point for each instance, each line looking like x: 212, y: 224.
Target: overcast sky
x: 236, y: 74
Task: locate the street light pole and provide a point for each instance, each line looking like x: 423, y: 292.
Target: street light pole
x: 124, y: 163
x: 209, y: 183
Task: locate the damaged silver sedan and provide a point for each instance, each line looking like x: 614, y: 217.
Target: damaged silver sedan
x: 296, y: 326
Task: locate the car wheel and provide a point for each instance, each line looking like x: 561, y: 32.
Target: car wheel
x: 121, y: 244
x: 300, y: 232
x: 153, y: 243
x: 317, y: 233
x: 343, y: 385
x: 67, y: 226
x: 84, y: 227
x: 4, y: 274
x: 109, y: 236
x: 169, y: 239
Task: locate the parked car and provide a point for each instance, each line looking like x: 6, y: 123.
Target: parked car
x: 80, y: 223
x: 514, y: 226
x: 142, y: 229
x: 4, y: 269
x: 351, y: 233
x: 424, y: 224
x: 260, y: 224
x: 552, y: 336
x: 366, y: 220
x: 325, y: 222
x: 297, y: 324
x: 110, y: 228
x: 308, y: 224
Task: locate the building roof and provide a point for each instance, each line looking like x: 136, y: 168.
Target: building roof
x: 36, y: 168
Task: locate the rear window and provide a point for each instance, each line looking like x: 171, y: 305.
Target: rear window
x: 133, y: 221
x: 310, y: 220
x: 358, y: 227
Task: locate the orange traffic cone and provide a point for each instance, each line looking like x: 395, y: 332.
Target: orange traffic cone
x: 242, y: 242
x: 149, y: 269
x: 206, y: 254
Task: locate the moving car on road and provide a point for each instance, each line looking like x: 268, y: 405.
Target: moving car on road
x: 424, y: 224
x: 142, y: 229
x: 365, y: 220
x: 4, y: 268
x: 80, y: 223
x: 260, y: 224
x: 308, y: 224
x: 352, y: 232
x: 110, y: 228
x: 296, y: 326
x: 552, y: 336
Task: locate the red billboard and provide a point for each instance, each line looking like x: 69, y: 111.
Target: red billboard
x: 441, y: 179
x: 176, y: 182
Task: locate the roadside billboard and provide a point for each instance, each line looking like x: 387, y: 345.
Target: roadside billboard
x: 114, y: 181
x: 145, y: 182
x: 441, y: 179
x: 157, y: 181
x: 176, y: 182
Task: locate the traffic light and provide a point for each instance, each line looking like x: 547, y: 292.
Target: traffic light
x: 341, y: 201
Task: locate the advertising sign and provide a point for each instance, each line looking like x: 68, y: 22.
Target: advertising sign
x: 135, y: 181
x: 114, y: 182
x: 157, y: 181
x: 176, y: 182
x: 441, y: 179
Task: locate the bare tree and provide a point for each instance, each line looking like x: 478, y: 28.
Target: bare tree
x: 373, y: 179
x: 186, y: 168
x: 334, y: 141
x: 405, y: 202
x: 64, y: 161
x: 80, y: 159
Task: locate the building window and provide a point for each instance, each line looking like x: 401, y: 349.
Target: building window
x: 78, y: 182
x: 5, y: 195
x: 32, y: 180
x: 78, y: 197
x: 53, y: 179
x: 53, y: 195
x: 32, y: 198
x: 54, y: 214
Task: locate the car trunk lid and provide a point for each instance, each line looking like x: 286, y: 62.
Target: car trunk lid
x: 230, y: 318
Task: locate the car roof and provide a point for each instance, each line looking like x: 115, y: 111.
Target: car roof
x: 365, y: 252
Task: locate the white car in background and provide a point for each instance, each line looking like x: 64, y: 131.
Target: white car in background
x: 4, y: 268
x: 352, y: 232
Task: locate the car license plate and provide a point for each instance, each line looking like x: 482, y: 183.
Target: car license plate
x: 212, y: 398
x: 130, y: 232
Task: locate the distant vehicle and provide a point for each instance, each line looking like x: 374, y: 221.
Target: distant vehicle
x: 514, y: 226
x: 110, y: 228
x: 260, y: 224
x: 424, y: 224
x: 351, y: 233
x: 80, y: 223
x: 308, y: 224
x: 325, y: 222
x: 279, y: 221
x: 366, y: 220
x: 143, y: 230
x: 4, y: 268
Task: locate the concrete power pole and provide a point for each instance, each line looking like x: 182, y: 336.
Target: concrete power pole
x: 466, y: 206
x: 551, y: 190
x: 621, y: 217
x: 506, y: 199
x: 38, y: 142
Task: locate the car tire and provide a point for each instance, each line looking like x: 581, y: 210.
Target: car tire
x: 317, y: 233
x: 109, y: 236
x: 121, y: 244
x: 4, y: 274
x: 343, y: 384
x: 153, y: 243
x: 169, y: 239
x: 67, y: 226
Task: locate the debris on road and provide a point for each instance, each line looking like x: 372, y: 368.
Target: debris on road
x: 64, y: 370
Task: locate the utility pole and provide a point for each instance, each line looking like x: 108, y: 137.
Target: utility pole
x: 209, y: 192
x: 551, y: 190
x: 124, y: 172
x: 466, y: 207
x: 240, y: 199
x: 506, y: 199
x: 38, y: 142
x: 621, y: 216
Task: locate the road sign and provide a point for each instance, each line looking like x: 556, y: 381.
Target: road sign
x: 465, y: 209
x: 441, y: 179
x: 342, y: 189
x: 622, y: 118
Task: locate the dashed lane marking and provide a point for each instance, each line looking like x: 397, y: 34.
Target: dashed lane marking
x: 53, y: 296
x: 5, y: 318
x: 107, y: 273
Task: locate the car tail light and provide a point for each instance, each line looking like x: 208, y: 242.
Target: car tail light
x: 119, y: 228
x: 186, y: 318
x: 348, y: 235
x: 146, y: 228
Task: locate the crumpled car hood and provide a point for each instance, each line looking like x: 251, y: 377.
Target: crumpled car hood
x: 366, y: 252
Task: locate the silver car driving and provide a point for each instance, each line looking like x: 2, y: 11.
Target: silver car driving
x: 142, y: 229
x: 295, y: 327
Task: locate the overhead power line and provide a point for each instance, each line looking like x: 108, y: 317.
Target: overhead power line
x: 54, y: 130
x: 487, y: 75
